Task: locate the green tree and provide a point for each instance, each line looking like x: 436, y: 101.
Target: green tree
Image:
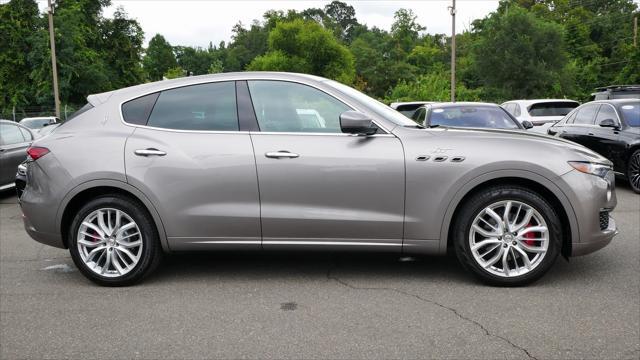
x: 174, y: 72
x: 159, y: 58
x: 121, y: 49
x: 518, y: 55
x: 304, y: 46
x: 433, y: 86
x: 18, y: 21
x: 342, y: 19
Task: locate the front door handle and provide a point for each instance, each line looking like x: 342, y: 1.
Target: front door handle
x: 590, y: 133
x: 150, y: 152
x: 281, y: 154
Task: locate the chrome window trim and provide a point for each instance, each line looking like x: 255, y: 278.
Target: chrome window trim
x: 317, y: 134
x: 617, y: 119
x: 340, y: 98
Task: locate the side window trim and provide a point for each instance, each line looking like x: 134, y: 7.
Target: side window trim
x: 246, y: 113
x: 615, y: 111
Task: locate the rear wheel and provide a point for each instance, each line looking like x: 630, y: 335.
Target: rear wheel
x: 633, y: 171
x: 507, y: 236
x: 114, y: 241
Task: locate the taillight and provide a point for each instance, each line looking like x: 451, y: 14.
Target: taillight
x: 36, y: 152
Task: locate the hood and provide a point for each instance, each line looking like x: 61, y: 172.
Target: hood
x: 530, y: 140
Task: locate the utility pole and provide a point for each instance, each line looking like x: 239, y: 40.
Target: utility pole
x: 635, y: 31
x: 54, y: 68
x: 452, y: 10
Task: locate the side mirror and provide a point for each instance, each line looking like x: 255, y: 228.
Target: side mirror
x: 608, y: 123
x: 45, y: 124
x: 527, y: 124
x: 355, y: 122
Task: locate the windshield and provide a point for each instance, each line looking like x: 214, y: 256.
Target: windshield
x: 373, y: 104
x: 559, y: 108
x: 631, y: 113
x: 35, y: 123
x: 472, y: 116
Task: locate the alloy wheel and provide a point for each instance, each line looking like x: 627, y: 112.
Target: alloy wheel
x: 109, y: 242
x: 509, y: 238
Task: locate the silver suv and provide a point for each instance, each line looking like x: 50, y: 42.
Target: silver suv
x: 226, y: 161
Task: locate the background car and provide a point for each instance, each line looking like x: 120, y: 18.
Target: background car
x: 617, y: 92
x: 14, y: 141
x: 469, y: 115
x: 37, y: 123
x: 542, y: 113
x: 408, y: 108
x: 611, y: 128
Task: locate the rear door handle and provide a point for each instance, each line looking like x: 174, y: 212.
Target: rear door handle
x: 590, y: 134
x: 281, y: 154
x: 150, y: 152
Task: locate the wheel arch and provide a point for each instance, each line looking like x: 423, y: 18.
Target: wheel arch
x: 81, y: 193
x: 538, y: 183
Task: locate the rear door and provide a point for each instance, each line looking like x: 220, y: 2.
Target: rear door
x: 188, y: 155
x: 319, y: 187
x: 583, y: 121
x: 606, y: 140
x: 14, y: 142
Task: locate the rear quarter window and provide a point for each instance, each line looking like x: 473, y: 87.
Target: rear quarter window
x: 137, y: 111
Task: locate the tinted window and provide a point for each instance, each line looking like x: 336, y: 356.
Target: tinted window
x: 472, y: 116
x: 570, y: 119
x: 289, y: 107
x: 419, y: 115
x: 137, y: 110
x: 36, y: 123
x: 10, y: 134
x: 631, y: 113
x: 197, y: 107
x: 586, y: 114
x: 606, y: 112
x: 559, y: 108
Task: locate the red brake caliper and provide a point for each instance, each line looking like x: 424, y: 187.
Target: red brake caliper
x: 529, y: 235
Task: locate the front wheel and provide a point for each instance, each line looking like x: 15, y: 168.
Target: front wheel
x: 507, y: 236
x: 113, y: 241
x: 633, y: 171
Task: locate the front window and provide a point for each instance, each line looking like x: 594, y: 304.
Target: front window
x: 374, y: 105
x: 283, y: 106
x: 472, y: 116
x: 558, y: 108
x: 631, y: 113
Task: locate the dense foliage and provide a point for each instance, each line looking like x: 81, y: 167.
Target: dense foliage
x: 525, y: 49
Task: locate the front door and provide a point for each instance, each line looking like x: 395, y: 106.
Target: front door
x: 190, y: 158
x: 318, y: 186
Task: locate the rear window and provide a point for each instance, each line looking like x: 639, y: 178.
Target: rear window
x: 560, y: 108
x: 137, y: 110
x: 473, y: 116
x: 80, y: 111
x: 206, y: 107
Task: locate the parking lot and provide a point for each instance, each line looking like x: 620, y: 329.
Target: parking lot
x: 285, y: 305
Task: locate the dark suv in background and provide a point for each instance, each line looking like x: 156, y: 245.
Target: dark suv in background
x: 610, y: 128
x: 616, y: 92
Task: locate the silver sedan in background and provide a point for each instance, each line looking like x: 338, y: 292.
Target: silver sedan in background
x: 226, y: 161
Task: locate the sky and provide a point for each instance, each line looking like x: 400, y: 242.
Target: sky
x: 196, y: 23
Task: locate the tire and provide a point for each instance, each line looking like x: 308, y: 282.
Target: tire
x: 136, y: 255
x: 512, y: 242
x: 633, y: 171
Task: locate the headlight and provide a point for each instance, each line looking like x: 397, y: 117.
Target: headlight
x: 596, y: 169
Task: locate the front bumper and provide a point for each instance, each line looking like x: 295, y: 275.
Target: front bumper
x: 590, y: 196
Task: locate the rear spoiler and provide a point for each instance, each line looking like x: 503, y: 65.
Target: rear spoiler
x: 97, y: 99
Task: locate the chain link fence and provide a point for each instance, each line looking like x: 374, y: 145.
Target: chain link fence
x: 18, y: 113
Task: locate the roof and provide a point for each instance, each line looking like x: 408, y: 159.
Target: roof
x: 537, y: 101
x: 463, y: 103
x: 96, y: 99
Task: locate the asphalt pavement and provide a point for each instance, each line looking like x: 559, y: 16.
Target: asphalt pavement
x: 319, y: 305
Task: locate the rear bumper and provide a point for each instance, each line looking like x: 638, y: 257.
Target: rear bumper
x: 51, y: 239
